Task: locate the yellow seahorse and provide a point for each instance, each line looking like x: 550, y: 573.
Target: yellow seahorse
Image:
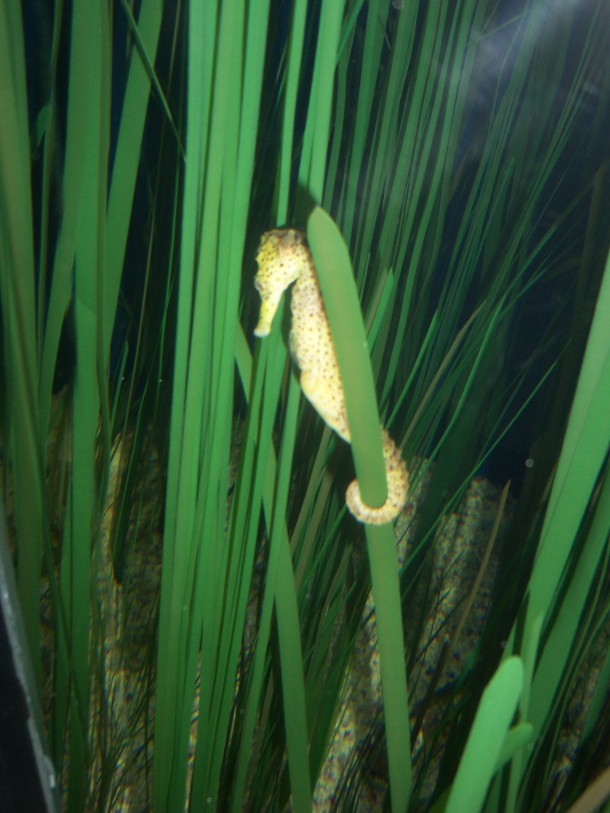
x: 283, y: 258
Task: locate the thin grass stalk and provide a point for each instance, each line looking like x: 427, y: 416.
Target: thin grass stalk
x: 290, y: 738
x: 256, y: 477
x: 471, y: 257
x: 293, y: 687
x: 431, y: 110
x: 376, y: 19
x: 404, y: 309
x: 269, y: 364
x: 242, y: 534
x: 18, y: 302
x: 275, y: 504
x: 381, y: 141
x: 171, y: 719
x: 315, y: 141
x: 320, y: 105
x: 295, y: 58
x: 218, y: 181
x: 292, y: 679
x: 231, y: 248
x: 90, y: 88
x: 82, y: 230
x: 575, y: 605
x: 311, y: 174
x: 584, y: 450
x: 125, y: 164
x: 489, y: 731
x: 342, y: 306
x: 315, y: 146
x: 599, y: 696
x: 207, y: 339
x: 524, y: 224
x: 540, y: 773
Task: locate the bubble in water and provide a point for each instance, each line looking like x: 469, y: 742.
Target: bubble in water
x: 398, y: 3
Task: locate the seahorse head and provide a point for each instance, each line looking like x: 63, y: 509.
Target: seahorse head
x: 279, y: 259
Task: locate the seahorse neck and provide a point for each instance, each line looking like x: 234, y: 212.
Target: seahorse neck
x: 307, y: 282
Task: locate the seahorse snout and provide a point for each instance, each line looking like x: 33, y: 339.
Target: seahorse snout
x: 269, y: 304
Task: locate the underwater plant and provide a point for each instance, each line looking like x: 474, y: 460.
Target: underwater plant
x: 192, y: 586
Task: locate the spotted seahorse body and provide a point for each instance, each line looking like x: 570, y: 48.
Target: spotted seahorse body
x: 283, y: 258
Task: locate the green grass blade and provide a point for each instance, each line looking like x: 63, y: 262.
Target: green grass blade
x: 570, y: 621
x: 383, y: 563
x: 342, y: 305
x: 127, y: 159
x: 343, y: 308
x: 269, y: 374
x: 293, y: 687
x: 487, y: 739
x: 313, y: 161
x: 215, y: 567
x: 89, y: 100
x: 516, y: 738
x: 295, y: 57
x: 445, y: 213
x: 585, y: 447
x: 18, y: 303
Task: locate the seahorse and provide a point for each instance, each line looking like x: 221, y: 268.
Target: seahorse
x: 284, y: 258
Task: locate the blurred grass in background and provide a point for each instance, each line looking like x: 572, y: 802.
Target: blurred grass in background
x: 461, y: 150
